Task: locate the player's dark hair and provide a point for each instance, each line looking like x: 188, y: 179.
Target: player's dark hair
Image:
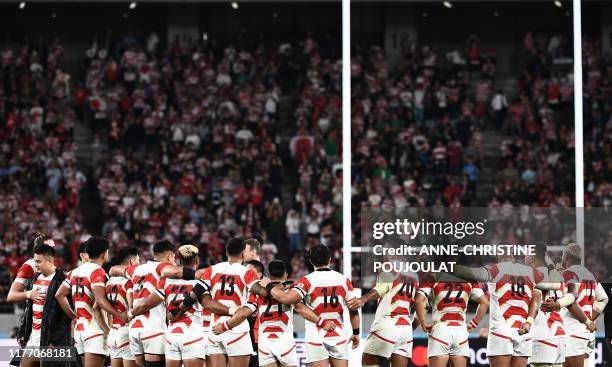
x: 124, y: 255
x: 276, y: 269
x: 95, y: 246
x: 163, y: 246
x: 45, y: 250
x: 82, y: 248
x: 235, y: 246
x: 540, y: 251
x: 255, y: 244
x: 39, y: 239
x: 259, y: 267
x: 319, y: 255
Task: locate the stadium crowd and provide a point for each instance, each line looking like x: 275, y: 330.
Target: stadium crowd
x: 39, y: 181
x: 418, y: 129
x: 212, y: 154
x: 187, y: 142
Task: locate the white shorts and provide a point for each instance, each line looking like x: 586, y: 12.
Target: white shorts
x: 386, y: 342
x: 281, y: 351
x: 34, y: 340
x: 206, y: 333
x: 89, y: 337
x: 577, y: 344
x: 145, y: 341
x: 230, y: 344
x: 548, y: 351
x: 319, y: 350
x: 504, y: 342
x: 448, y: 341
x: 119, y: 344
x: 185, y: 346
x: 93, y: 342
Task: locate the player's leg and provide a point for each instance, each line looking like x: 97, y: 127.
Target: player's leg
x: 399, y: 360
x: 239, y: 361
x: 129, y: 363
x: 116, y: 362
x: 216, y: 360
x: 321, y: 363
x: 458, y: 361
x: 371, y: 360
x: 574, y: 361
x: 192, y: 362
x: 172, y: 363
x: 154, y: 360
x: 438, y: 361
x: 93, y: 360
x: 29, y: 362
x: 500, y: 361
x: 275, y: 364
x: 139, y: 360
x: 338, y: 362
x: 518, y: 361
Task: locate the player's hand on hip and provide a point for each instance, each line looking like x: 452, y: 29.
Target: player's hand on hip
x: 426, y: 327
x: 329, y: 325
x: 217, y: 328
x: 524, y: 328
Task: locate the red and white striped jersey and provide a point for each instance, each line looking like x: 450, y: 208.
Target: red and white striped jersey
x: 511, y: 287
x: 229, y: 285
x: 117, y: 290
x: 26, y: 272
x: 325, y: 291
x: 586, y: 283
x: 397, y: 299
x: 275, y: 319
x: 206, y: 315
x: 549, y: 325
x: 449, y: 300
x: 82, y: 282
x: 145, y: 279
x: 42, y: 285
x: 173, y: 292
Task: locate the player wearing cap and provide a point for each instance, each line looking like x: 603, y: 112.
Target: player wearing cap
x: 119, y: 293
x: 326, y: 292
x: 449, y: 330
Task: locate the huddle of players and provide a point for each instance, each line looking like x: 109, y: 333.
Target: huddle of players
x: 538, y: 314
x: 160, y: 313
